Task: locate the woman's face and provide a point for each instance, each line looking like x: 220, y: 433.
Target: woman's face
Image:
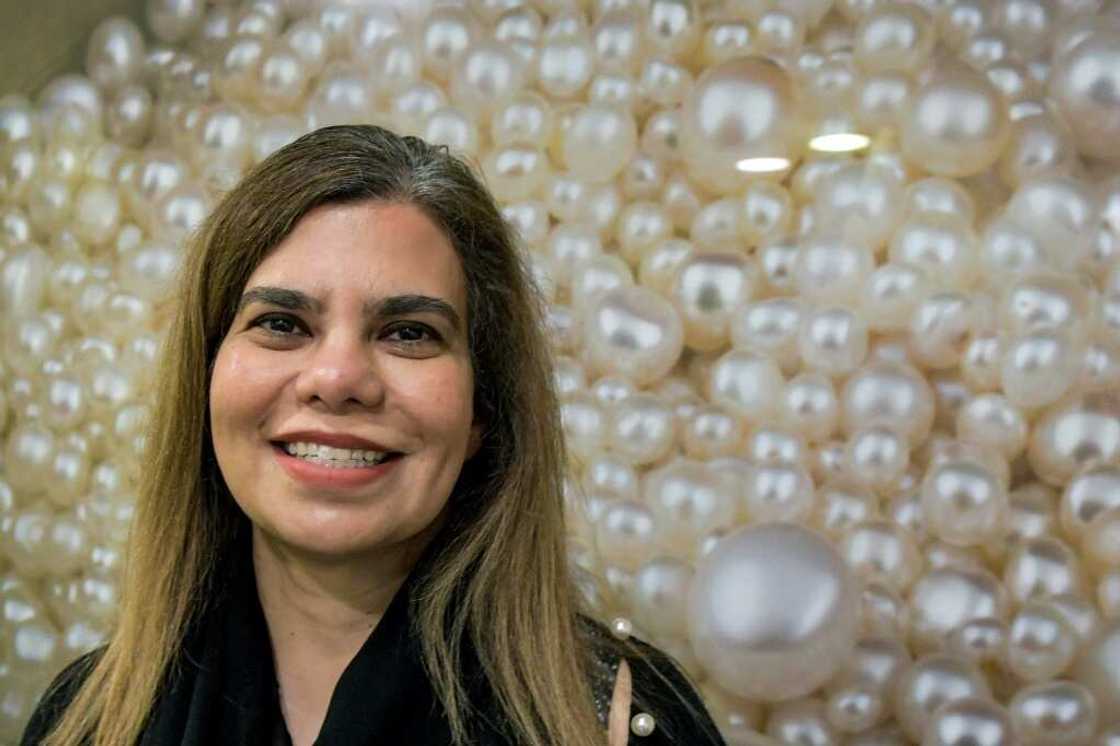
x: 341, y: 398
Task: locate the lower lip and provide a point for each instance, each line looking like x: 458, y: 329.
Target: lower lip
x: 317, y: 475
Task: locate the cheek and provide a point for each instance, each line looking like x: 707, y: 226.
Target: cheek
x: 240, y: 389
x: 441, y: 397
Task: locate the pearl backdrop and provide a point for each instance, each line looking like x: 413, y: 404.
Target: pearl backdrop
x: 844, y: 426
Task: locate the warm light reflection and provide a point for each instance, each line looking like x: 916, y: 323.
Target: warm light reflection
x: 839, y: 142
x: 762, y: 165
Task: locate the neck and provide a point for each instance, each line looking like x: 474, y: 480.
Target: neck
x: 325, y: 600
x: 319, y: 613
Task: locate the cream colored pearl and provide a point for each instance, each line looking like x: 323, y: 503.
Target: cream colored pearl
x: 1059, y: 712
x: 1073, y: 434
x: 832, y: 270
x: 802, y: 721
x: 708, y: 288
x: 1040, y: 645
x: 715, y: 226
x: 599, y: 142
x: 833, y: 340
x: 1080, y: 84
x: 769, y: 327
x: 711, y: 432
x: 882, y: 552
x: 174, y: 20
x: 778, y: 492
x: 842, y: 504
x: 877, y: 457
x: 948, y: 597
x: 626, y: 534
x: 1100, y: 539
x: 660, y: 595
x: 990, y: 420
x: 931, y: 684
x: 487, y: 74
x: 445, y: 34
x: 883, y: 612
x: 970, y: 720
x: 516, y: 172
x: 621, y: 628
x: 889, y: 394
x: 767, y: 557
x: 660, y: 263
x: 672, y: 26
x: 1040, y: 568
x: 767, y: 445
x: 956, y: 125
x: 760, y: 122
x: 633, y: 332
x: 981, y: 641
x: 642, y: 724
x: 664, y: 82
x: 564, y: 66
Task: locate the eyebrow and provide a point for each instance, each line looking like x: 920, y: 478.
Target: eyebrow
x: 394, y: 305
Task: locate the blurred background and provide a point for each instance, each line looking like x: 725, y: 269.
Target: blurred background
x: 41, y: 40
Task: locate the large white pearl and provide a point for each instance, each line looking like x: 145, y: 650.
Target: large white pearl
x: 633, y: 332
x: 1085, y: 85
x: 743, y: 108
x: 755, y: 616
x: 956, y: 126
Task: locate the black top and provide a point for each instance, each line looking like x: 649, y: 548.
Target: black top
x: 225, y: 691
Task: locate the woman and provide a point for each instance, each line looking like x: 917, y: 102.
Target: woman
x: 350, y: 527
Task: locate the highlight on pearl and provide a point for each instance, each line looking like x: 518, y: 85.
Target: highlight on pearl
x: 833, y: 287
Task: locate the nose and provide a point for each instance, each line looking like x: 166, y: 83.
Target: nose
x: 341, y: 373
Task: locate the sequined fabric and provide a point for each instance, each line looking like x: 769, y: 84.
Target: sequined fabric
x: 603, y: 676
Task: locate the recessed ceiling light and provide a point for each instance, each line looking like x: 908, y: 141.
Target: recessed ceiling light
x: 840, y: 142
x: 763, y: 165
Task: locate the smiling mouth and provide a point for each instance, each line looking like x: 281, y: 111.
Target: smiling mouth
x: 336, y: 458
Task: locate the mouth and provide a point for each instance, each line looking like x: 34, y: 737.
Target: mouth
x: 323, y: 468
x: 331, y: 457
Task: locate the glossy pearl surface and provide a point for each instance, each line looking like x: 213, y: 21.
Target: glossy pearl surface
x: 751, y: 627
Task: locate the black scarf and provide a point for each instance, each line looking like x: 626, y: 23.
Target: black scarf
x: 227, y: 695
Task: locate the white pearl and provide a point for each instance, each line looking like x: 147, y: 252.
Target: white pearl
x: 174, y: 20
x: 642, y: 724
x: 621, y: 627
x: 115, y: 53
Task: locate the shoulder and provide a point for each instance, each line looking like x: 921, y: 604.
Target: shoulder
x: 57, y: 698
x: 660, y: 687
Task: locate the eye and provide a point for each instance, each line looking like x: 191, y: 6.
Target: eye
x: 278, y: 324
x: 411, y: 333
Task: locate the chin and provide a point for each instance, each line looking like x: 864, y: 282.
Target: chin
x: 341, y: 537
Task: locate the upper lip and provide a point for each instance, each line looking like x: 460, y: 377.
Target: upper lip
x: 336, y: 440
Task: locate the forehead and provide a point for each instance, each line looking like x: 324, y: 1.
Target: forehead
x: 373, y: 249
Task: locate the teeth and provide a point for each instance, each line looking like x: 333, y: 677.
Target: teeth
x: 336, y: 456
